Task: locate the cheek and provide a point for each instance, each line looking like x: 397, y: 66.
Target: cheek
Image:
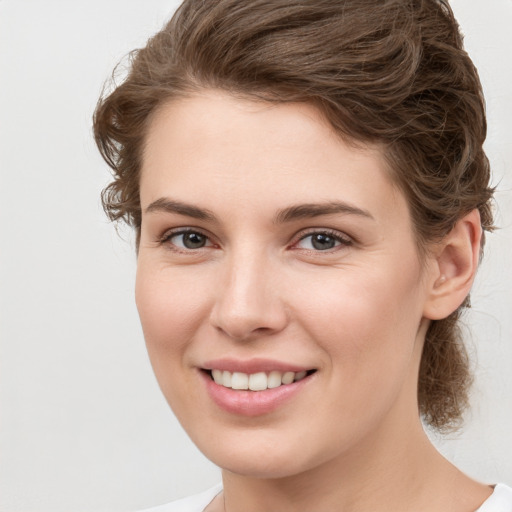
x: 366, y: 321
x: 367, y: 329
x: 171, y: 307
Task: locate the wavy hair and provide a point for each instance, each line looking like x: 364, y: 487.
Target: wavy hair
x: 392, y: 72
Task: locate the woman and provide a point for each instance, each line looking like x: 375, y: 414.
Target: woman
x: 309, y: 192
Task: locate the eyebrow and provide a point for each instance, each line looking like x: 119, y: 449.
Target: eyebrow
x: 170, y: 206
x: 289, y: 214
x: 310, y: 210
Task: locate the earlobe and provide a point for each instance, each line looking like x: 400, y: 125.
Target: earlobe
x: 453, y: 267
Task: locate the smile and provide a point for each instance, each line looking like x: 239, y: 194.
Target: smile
x: 259, y: 381
x: 256, y: 387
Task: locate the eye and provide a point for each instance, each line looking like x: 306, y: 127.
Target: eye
x: 187, y: 240
x: 322, y: 241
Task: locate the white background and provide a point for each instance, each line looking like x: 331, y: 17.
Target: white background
x: 83, y: 426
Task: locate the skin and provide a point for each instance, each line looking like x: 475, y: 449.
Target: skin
x: 357, y: 313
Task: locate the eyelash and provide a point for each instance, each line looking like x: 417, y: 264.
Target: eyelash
x: 340, y: 238
x: 343, y: 239
x: 168, y: 235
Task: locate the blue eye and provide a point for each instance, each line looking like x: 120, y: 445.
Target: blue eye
x: 322, y: 241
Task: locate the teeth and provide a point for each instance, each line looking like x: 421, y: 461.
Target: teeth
x: 258, y: 381
x: 255, y: 381
x: 274, y: 380
x: 240, y: 381
x: 217, y: 376
x: 226, y: 379
x: 299, y: 376
x: 288, y: 378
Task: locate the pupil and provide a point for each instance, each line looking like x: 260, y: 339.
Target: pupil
x: 193, y: 240
x: 323, y: 242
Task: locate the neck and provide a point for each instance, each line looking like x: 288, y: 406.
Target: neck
x: 378, y: 475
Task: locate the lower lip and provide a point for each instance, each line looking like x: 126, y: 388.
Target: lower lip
x: 252, y: 403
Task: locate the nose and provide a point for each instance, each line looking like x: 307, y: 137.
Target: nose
x: 248, y: 300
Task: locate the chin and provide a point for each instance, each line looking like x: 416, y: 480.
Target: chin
x: 263, y: 456
x: 258, y: 467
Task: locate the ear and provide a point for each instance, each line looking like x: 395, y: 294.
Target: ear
x: 453, y: 267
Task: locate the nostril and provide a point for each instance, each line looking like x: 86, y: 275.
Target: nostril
x: 243, y: 313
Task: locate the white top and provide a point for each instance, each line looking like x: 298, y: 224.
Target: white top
x: 195, y: 503
x: 499, y: 501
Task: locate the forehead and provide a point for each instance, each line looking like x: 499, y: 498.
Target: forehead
x: 212, y: 146
x: 254, y: 126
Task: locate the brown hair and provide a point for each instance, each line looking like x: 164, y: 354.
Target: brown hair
x: 392, y: 72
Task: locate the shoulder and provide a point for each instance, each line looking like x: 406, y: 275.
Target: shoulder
x: 195, y: 503
x: 499, y: 501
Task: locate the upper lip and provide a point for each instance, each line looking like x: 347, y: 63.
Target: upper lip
x: 250, y: 366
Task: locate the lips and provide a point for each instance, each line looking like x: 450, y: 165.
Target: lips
x: 254, y: 387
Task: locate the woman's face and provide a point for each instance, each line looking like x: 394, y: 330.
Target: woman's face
x: 270, y: 248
